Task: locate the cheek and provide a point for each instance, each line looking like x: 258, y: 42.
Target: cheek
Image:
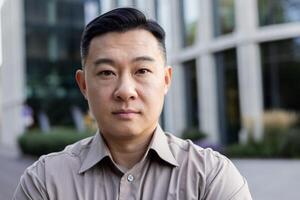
x: 153, y: 95
x: 98, y: 95
x: 156, y: 88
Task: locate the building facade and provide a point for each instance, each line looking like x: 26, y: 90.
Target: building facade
x: 232, y: 60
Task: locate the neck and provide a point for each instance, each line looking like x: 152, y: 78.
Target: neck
x: 128, y: 152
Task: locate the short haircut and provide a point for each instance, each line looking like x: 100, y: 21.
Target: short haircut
x: 120, y: 20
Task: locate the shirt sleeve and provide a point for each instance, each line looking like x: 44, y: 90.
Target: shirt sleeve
x: 243, y: 193
x: 32, y: 184
x: 224, y: 182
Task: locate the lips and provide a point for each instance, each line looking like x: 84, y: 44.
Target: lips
x: 125, y: 113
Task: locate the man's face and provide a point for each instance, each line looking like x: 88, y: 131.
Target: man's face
x: 124, y: 81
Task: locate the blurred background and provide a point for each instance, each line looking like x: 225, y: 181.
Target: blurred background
x: 236, y: 81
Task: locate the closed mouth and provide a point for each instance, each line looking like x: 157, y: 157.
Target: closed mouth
x: 125, y: 112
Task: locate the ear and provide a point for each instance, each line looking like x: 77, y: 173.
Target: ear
x: 80, y: 79
x: 168, y: 78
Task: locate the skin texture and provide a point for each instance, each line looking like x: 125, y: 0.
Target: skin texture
x: 124, y: 81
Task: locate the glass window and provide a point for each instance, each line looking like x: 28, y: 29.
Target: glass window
x: 52, y: 56
x: 279, y: 11
x: 68, y: 46
x: 190, y: 76
x: 281, y: 72
x: 36, y: 11
x: 48, y: 83
x: 70, y: 13
x: 37, y: 45
x: 228, y: 95
x: 223, y: 11
x: 189, y: 17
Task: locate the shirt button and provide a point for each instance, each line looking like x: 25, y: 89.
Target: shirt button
x: 130, y: 178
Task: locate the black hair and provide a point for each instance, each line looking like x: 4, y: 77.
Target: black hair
x: 119, y: 20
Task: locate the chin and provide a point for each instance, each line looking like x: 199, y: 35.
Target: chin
x: 122, y: 131
x: 129, y: 131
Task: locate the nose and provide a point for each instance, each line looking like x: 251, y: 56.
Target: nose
x: 125, y: 90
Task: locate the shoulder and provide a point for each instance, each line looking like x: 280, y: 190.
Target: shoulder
x: 188, y: 150
x: 218, y: 175
x: 70, y: 157
x: 205, y: 160
x: 50, y: 168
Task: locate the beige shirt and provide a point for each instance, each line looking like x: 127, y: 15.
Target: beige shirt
x: 172, y: 168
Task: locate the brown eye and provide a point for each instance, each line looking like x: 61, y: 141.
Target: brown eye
x: 106, y: 73
x: 143, y: 71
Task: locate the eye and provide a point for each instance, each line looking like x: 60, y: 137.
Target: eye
x: 143, y: 71
x: 106, y: 73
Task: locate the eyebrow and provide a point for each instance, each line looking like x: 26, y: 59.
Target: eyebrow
x: 143, y: 58
x: 103, y: 61
x: 109, y: 61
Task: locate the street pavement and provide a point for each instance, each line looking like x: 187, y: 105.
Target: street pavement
x: 271, y: 179
x: 267, y: 179
x: 11, y: 169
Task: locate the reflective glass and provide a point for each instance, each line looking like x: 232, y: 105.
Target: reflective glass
x: 52, y: 56
x: 228, y: 95
x: 37, y: 45
x: 38, y: 11
x: 281, y: 72
x: 189, y: 17
x: 278, y: 11
x: 224, y: 15
x: 191, y: 92
x: 71, y: 13
x: 68, y: 46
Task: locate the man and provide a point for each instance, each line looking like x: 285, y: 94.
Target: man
x: 124, y: 78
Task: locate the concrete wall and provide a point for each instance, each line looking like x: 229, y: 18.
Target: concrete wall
x: 12, y: 74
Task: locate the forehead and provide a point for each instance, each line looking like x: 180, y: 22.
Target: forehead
x: 137, y: 41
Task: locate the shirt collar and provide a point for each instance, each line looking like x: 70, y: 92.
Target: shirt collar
x: 98, y: 150
x: 160, y: 145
